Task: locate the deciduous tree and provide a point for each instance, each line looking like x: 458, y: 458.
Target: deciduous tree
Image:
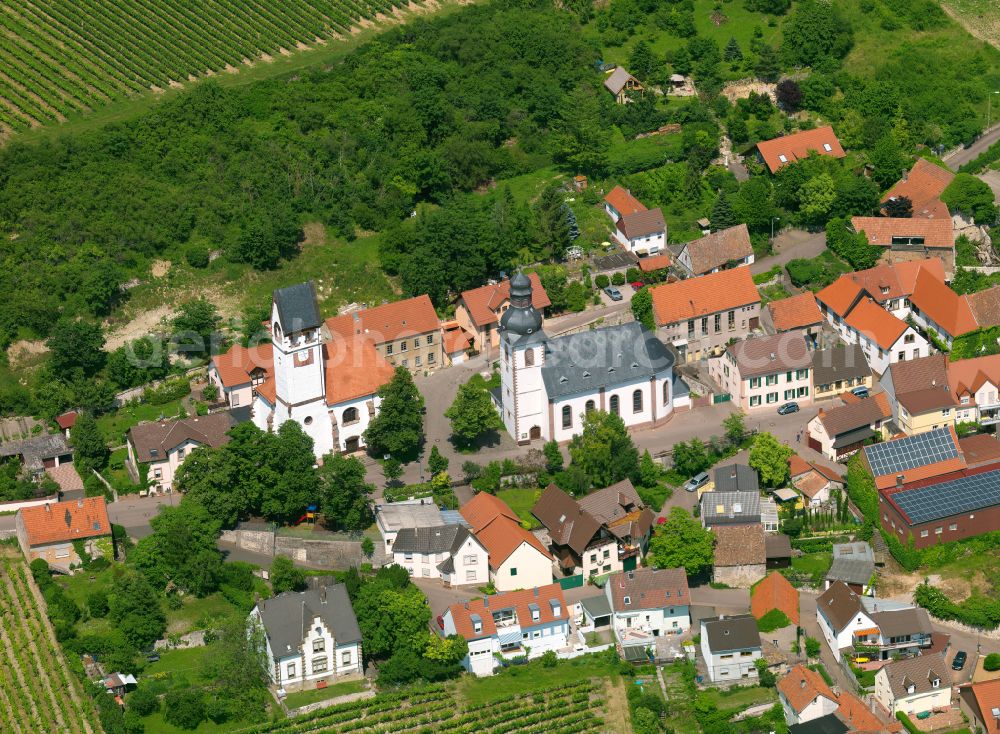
x: 285, y: 576
x: 76, y: 344
x: 472, y: 414
x: 770, y: 458
x: 398, y: 428
x: 681, y: 542
x: 604, y: 451
x: 344, y: 493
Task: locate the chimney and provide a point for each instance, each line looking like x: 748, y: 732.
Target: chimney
x: 79, y: 503
x: 773, y: 356
x: 802, y: 683
x: 899, y: 480
x: 536, y: 591
x: 906, y: 174
x: 48, y: 508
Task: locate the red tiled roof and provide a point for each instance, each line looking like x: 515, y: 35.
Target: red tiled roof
x: 797, y: 465
x: 706, y: 294
x: 799, y: 145
x: 796, y: 312
x: 648, y: 588
x: 923, y: 186
x: 850, y: 417
x: 66, y: 420
x: 57, y: 522
x: 654, y: 263
x: 739, y: 545
x: 462, y: 613
x: 268, y: 391
x: 987, y: 696
x: 839, y: 295
x: 716, y: 249
x: 775, y: 592
x: 234, y: 367
x: 623, y: 202
x: 942, y: 305
x: 980, y: 449
x: 498, y: 528
x: 456, y: 340
x: 366, y: 372
x: 390, y: 321
x: 876, y: 323
x: 802, y: 686
x: 858, y: 717
x: 971, y: 374
x: 484, y: 508
x: 483, y: 303
x: 937, y: 233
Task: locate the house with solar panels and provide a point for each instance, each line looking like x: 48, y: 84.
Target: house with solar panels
x: 929, y: 488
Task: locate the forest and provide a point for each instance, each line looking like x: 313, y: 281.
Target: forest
x: 426, y: 136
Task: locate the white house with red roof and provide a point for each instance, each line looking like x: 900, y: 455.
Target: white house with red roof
x: 314, y: 373
x: 49, y: 531
x: 528, y: 622
x: 518, y: 559
x: 637, y: 229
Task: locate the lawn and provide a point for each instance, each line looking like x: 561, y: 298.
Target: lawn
x: 774, y: 292
x: 115, y: 425
x: 813, y: 563
x: 303, y: 698
x: 198, y: 613
x: 521, y: 501
x: 519, y: 680
x: 741, y: 698
x: 117, y: 473
x: 818, y: 272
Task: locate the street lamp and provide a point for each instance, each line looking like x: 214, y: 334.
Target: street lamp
x: 989, y: 109
x: 773, y: 220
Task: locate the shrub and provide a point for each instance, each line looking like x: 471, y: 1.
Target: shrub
x: 812, y: 647
x: 185, y: 708
x: 773, y: 620
x: 618, y: 278
x: 602, y: 281
x: 97, y: 603
x: 992, y: 661
x: 168, y: 391
x: 633, y: 274
x: 907, y: 723
x: 143, y: 701
x: 197, y: 256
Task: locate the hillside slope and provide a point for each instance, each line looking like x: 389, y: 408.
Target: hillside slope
x: 60, y: 57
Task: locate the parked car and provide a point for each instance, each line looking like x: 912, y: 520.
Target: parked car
x: 959, y: 662
x: 861, y: 392
x: 696, y: 482
x: 613, y: 293
x: 788, y: 408
x: 638, y: 285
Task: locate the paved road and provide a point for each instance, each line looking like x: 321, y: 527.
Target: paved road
x: 961, y: 156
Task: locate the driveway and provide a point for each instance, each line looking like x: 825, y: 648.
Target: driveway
x: 789, y: 245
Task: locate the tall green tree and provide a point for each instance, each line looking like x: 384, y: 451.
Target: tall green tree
x: 77, y: 345
x: 436, y: 463
x: 194, y: 327
x: 472, y: 414
x: 551, y: 222
x: 344, y: 493
x: 89, y: 446
x: 181, y: 549
x: 398, y: 428
x: 285, y: 576
x: 681, y: 542
x: 722, y: 216
x: 770, y: 458
x: 816, y: 34
x: 604, y: 451
x: 642, y: 308
x: 641, y: 62
x: 735, y: 426
x: 971, y: 196
x: 296, y: 486
x: 135, y: 609
x: 392, y: 614
x: 733, y: 52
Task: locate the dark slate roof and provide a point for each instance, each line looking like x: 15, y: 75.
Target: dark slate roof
x: 738, y: 632
x: 602, y: 358
x: 839, y: 363
x: 736, y: 478
x: 852, y: 437
x: 749, y: 507
x: 777, y: 545
x: 899, y: 622
x: 297, y: 308
x: 851, y: 570
x: 828, y: 724
x: 439, y: 539
x: 287, y: 616
x: 36, y: 449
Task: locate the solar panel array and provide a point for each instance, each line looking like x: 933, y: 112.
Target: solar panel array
x: 893, y: 457
x: 950, y: 498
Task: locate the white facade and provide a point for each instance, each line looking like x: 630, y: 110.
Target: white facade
x: 837, y: 639
x: 909, y: 345
x: 766, y: 391
x: 731, y: 664
x: 650, y: 244
x: 815, y: 709
x: 635, y: 411
x: 656, y: 622
x: 938, y: 697
x: 601, y: 558
x: 524, y: 568
x: 525, y: 403
x: 319, y: 657
x: 471, y: 564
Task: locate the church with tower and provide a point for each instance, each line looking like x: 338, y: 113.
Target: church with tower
x: 548, y: 384
x: 321, y: 378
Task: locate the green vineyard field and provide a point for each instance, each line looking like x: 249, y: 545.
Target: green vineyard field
x: 59, y: 57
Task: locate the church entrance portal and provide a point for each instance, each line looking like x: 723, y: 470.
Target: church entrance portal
x: 535, y: 432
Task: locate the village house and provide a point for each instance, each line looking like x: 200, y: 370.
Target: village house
x: 57, y: 532
x: 647, y: 603
x: 448, y: 552
x: 975, y: 386
x: 735, y: 478
x: 405, y: 333
x: 775, y: 592
x: 478, y: 311
x: 840, y: 432
x: 923, y: 185
x: 66, y: 421
x: 941, y: 311
x: 623, y: 85
x: 655, y: 267
x: 38, y: 453
x: 721, y: 250
x: 740, y: 558
x: 700, y: 316
x: 604, y: 532
x: 765, y: 371
x: 814, y: 481
x: 839, y: 368
x: 517, y: 559
x: 854, y: 565
x: 239, y: 372
x: 980, y: 702
x: 798, y: 313
x: 792, y: 148
x: 877, y: 628
x: 393, y: 517
x: 738, y: 508
x: 527, y: 623
x: 910, y: 238
x: 456, y: 342
x: 547, y: 385
x: 920, y: 394
x: 619, y: 202
x: 311, y: 637
x: 730, y: 646
x: 905, y: 459
x: 643, y: 233
x: 914, y: 686
x: 157, y: 450
x: 805, y: 696
x: 324, y: 376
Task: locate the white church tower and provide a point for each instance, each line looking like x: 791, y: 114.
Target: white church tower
x: 299, y: 370
x: 524, y: 404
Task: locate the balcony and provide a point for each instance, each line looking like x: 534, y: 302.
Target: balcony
x: 989, y: 414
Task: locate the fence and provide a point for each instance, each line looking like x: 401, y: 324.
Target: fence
x: 21, y: 504
x: 571, y: 582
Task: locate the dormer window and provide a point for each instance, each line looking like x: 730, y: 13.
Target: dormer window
x: 627, y: 600
x: 827, y: 147
x: 884, y: 289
